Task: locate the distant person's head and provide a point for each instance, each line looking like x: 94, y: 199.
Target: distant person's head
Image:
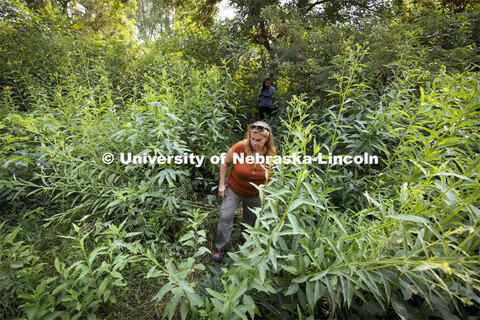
x: 266, y: 84
x: 259, y: 135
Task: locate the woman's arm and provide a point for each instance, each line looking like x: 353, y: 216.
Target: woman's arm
x: 222, y: 188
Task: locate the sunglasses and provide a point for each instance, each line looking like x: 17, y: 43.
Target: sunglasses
x: 260, y: 128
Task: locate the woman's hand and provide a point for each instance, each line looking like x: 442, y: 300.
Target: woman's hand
x: 222, y: 191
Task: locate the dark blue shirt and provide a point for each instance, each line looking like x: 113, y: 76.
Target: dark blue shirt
x: 266, y: 97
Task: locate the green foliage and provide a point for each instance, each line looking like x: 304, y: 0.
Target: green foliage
x: 169, y: 97
x: 86, y: 284
x: 301, y: 51
x: 34, y: 67
x: 153, y: 18
x: 397, y: 252
x: 19, y: 267
x: 181, y: 277
x: 83, y: 240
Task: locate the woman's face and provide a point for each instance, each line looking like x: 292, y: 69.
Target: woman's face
x: 257, y: 140
x: 267, y: 84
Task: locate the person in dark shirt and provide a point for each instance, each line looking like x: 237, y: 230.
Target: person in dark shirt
x: 266, y: 99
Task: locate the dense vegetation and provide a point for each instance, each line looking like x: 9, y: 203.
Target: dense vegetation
x: 80, y: 239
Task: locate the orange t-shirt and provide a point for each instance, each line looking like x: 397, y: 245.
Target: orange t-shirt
x: 241, y: 175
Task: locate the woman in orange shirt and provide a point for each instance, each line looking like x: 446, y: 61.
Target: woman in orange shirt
x: 258, y: 142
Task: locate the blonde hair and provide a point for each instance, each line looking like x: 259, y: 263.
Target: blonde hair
x: 269, y: 145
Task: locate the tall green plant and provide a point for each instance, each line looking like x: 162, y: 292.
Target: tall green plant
x: 88, y: 283
x: 179, y: 289
x: 304, y: 254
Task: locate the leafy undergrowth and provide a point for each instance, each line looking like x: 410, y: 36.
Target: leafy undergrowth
x: 84, y: 240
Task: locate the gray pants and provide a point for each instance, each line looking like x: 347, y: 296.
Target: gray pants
x: 229, y: 206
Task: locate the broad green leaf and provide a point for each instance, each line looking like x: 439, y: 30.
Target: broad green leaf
x: 216, y: 294
x: 408, y: 217
x: 166, y: 288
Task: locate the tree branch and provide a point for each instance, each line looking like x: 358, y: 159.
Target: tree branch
x: 316, y: 3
